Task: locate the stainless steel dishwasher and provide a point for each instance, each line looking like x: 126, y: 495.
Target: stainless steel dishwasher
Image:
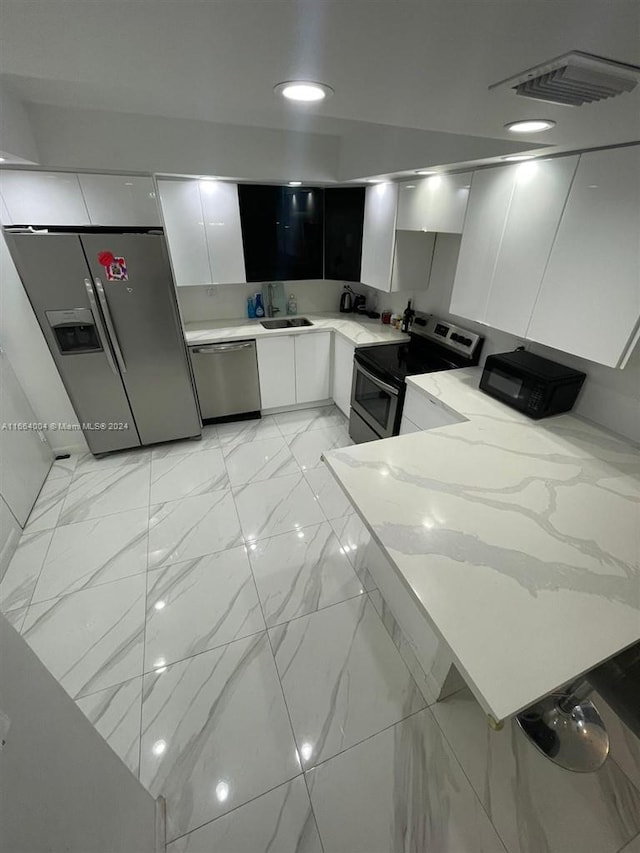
x: 226, y: 377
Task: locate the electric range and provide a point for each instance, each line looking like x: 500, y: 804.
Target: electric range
x: 379, y: 372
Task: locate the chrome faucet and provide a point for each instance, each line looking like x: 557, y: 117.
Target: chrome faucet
x: 271, y: 309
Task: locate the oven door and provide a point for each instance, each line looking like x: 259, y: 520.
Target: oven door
x: 375, y: 400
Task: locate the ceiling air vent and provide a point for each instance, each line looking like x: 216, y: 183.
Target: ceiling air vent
x: 574, y: 79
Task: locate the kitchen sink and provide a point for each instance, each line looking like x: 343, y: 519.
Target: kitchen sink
x: 289, y: 323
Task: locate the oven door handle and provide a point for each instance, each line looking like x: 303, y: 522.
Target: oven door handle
x: 377, y: 381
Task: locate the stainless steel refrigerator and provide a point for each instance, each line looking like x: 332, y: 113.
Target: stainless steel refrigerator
x: 107, y: 308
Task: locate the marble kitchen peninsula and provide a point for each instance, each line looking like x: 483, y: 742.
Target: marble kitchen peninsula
x: 519, y: 541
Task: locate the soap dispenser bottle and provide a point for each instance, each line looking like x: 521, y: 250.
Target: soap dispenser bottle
x: 292, y: 305
x: 259, y: 306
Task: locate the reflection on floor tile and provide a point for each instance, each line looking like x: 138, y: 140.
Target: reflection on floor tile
x: 19, y: 581
x: 259, y: 460
x: 299, y: 572
x: 280, y: 821
x: 94, y: 552
x: 46, y: 511
x: 182, y: 447
x: 115, y: 712
x: 276, y: 506
x: 343, y: 679
x: 90, y: 639
x: 198, y: 605
x: 308, y: 447
x: 175, y: 477
x: 107, y: 491
x: 215, y: 733
x: 402, y: 790
x: 328, y: 493
x: 192, y: 527
x: 624, y: 744
x: 533, y: 803
x: 355, y: 538
x: 304, y: 420
x: 243, y: 432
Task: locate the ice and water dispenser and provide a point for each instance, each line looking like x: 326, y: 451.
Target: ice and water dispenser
x: 74, y: 330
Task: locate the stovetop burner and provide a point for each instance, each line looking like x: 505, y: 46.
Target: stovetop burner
x: 434, y: 345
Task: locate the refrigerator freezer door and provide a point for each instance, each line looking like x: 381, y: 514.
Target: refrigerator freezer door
x: 141, y: 314
x: 53, y: 270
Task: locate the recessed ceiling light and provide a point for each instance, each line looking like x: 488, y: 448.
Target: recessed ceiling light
x: 304, y: 91
x: 295, y: 183
x: 534, y: 125
x: 516, y: 158
x: 424, y: 172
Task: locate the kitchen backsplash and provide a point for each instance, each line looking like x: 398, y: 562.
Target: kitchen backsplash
x: 229, y: 301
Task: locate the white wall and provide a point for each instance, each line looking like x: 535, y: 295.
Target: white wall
x: 609, y: 397
x: 229, y: 301
x: 61, y: 786
x: 31, y: 360
x: 16, y: 135
x: 100, y: 140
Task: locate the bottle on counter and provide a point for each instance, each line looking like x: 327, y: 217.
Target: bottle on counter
x: 251, y: 308
x: 407, y: 318
x: 292, y: 305
x: 259, y: 307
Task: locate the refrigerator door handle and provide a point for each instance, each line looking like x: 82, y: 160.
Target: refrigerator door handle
x: 98, y: 320
x: 110, y: 326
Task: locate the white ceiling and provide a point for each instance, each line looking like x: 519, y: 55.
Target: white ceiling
x: 422, y: 65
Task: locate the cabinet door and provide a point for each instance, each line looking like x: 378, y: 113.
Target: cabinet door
x: 589, y: 302
x: 342, y: 373
x: 313, y: 366
x: 489, y: 201
x: 343, y: 221
x: 221, y: 213
x: 539, y: 195
x: 378, y: 235
x: 436, y: 203
x: 425, y: 412
x: 43, y: 198
x: 120, y: 200
x: 282, y: 232
x: 412, y: 260
x: 277, y: 371
x: 185, y: 232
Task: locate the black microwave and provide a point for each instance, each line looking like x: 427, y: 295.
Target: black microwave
x: 531, y: 384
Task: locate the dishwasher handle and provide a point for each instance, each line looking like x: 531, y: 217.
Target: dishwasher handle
x: 218, y: 348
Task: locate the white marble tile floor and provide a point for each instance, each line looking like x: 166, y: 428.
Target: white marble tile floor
x: 208, y: 606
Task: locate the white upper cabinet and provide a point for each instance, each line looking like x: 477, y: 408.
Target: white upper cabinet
x: 120, y: 200
x: 489, y: 200
x: 202, y: 220
x: 43, y: 198
x: 435, y: 203
x: 313, y: 366
x: 539, y: 195
x: 185, y: 232
x: 589, y: 301
x: 221, y: 211
x: 511, y: 222
x: 378, y: 235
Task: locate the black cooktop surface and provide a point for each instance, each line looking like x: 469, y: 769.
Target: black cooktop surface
x: 397, y: 361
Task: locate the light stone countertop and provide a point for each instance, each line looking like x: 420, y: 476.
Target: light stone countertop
x: 519, y: 539
x: 360, y: 331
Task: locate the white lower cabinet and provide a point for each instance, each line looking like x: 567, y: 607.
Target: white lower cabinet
x: 423, y: 412
x: 342, y: 373
x: 313, y: 366
x: 277, y: 371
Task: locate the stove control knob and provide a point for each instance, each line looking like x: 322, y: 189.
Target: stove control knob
x: 456, y: 337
